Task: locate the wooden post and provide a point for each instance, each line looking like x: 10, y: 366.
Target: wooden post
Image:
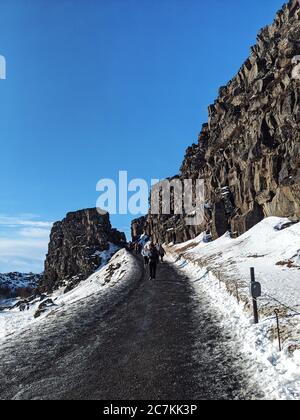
x: 255, y: 309
x: 278, y: 329
x: 237, y: 292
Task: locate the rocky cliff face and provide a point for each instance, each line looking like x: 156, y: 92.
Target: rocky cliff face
x: 249, y: 151
x: 76, y: 248
x: 138, y: 228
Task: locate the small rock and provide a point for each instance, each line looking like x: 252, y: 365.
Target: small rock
x: 46, y: 304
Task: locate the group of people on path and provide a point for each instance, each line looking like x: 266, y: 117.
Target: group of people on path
x: 152, y: 254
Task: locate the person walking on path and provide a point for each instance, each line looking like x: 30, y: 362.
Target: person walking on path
x: 161, y: 252
x: 145, y: 255
x: 153, y: 261
x: 138, y: 248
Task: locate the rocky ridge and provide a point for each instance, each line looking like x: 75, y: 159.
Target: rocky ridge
x: 249, y: 151
x: 78, y: 246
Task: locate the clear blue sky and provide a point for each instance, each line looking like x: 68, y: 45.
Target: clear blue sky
x: 98, y: 86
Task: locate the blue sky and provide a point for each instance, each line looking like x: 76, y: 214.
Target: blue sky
x: 95, y: 87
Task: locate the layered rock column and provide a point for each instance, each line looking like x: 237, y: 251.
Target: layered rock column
x: 75, y: 247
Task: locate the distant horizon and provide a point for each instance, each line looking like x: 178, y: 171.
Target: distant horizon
x: 95, y: 88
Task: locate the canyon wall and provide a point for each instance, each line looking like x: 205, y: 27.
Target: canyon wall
x: 248, y: 153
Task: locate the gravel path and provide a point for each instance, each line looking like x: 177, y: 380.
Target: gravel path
x: 161, y: 342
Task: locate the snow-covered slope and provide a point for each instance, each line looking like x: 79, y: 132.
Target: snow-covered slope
x: 103, y: 288
x: 222, y: 269
x: 106, y: 255
x: 274, y: 254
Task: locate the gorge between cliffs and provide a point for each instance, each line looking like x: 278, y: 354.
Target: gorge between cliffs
x: 220, y: 318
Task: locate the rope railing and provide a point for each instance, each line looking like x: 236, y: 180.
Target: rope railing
x: 238, y: 287
x: 292, y: 311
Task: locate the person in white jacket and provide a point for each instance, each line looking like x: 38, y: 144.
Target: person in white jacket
x: 145, y: 254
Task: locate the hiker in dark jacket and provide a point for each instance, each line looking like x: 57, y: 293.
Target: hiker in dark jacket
x: 153, y: 261
x: 137, y: 248
x: 161, y: 252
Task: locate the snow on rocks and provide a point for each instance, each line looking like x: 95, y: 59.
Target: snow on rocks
x: 13, y: 284
x: 105, y: 256
x: 222, y: 269
x: 296, y: 72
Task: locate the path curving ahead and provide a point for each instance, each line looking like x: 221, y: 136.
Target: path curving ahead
x: 162, y: 342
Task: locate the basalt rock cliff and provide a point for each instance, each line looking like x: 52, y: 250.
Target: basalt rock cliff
x: 249, y: 151
x: 75, y: 248
x: 138, y: 228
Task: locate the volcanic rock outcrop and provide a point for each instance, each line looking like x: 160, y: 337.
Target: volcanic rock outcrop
x: 138, y: 228
x: 75, y: 248
x: 249, y: 151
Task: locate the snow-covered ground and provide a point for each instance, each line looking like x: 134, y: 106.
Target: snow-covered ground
x: 105, y: 287
x: 222, y: 268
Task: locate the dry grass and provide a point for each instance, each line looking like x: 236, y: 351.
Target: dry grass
x: 288, y: 264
